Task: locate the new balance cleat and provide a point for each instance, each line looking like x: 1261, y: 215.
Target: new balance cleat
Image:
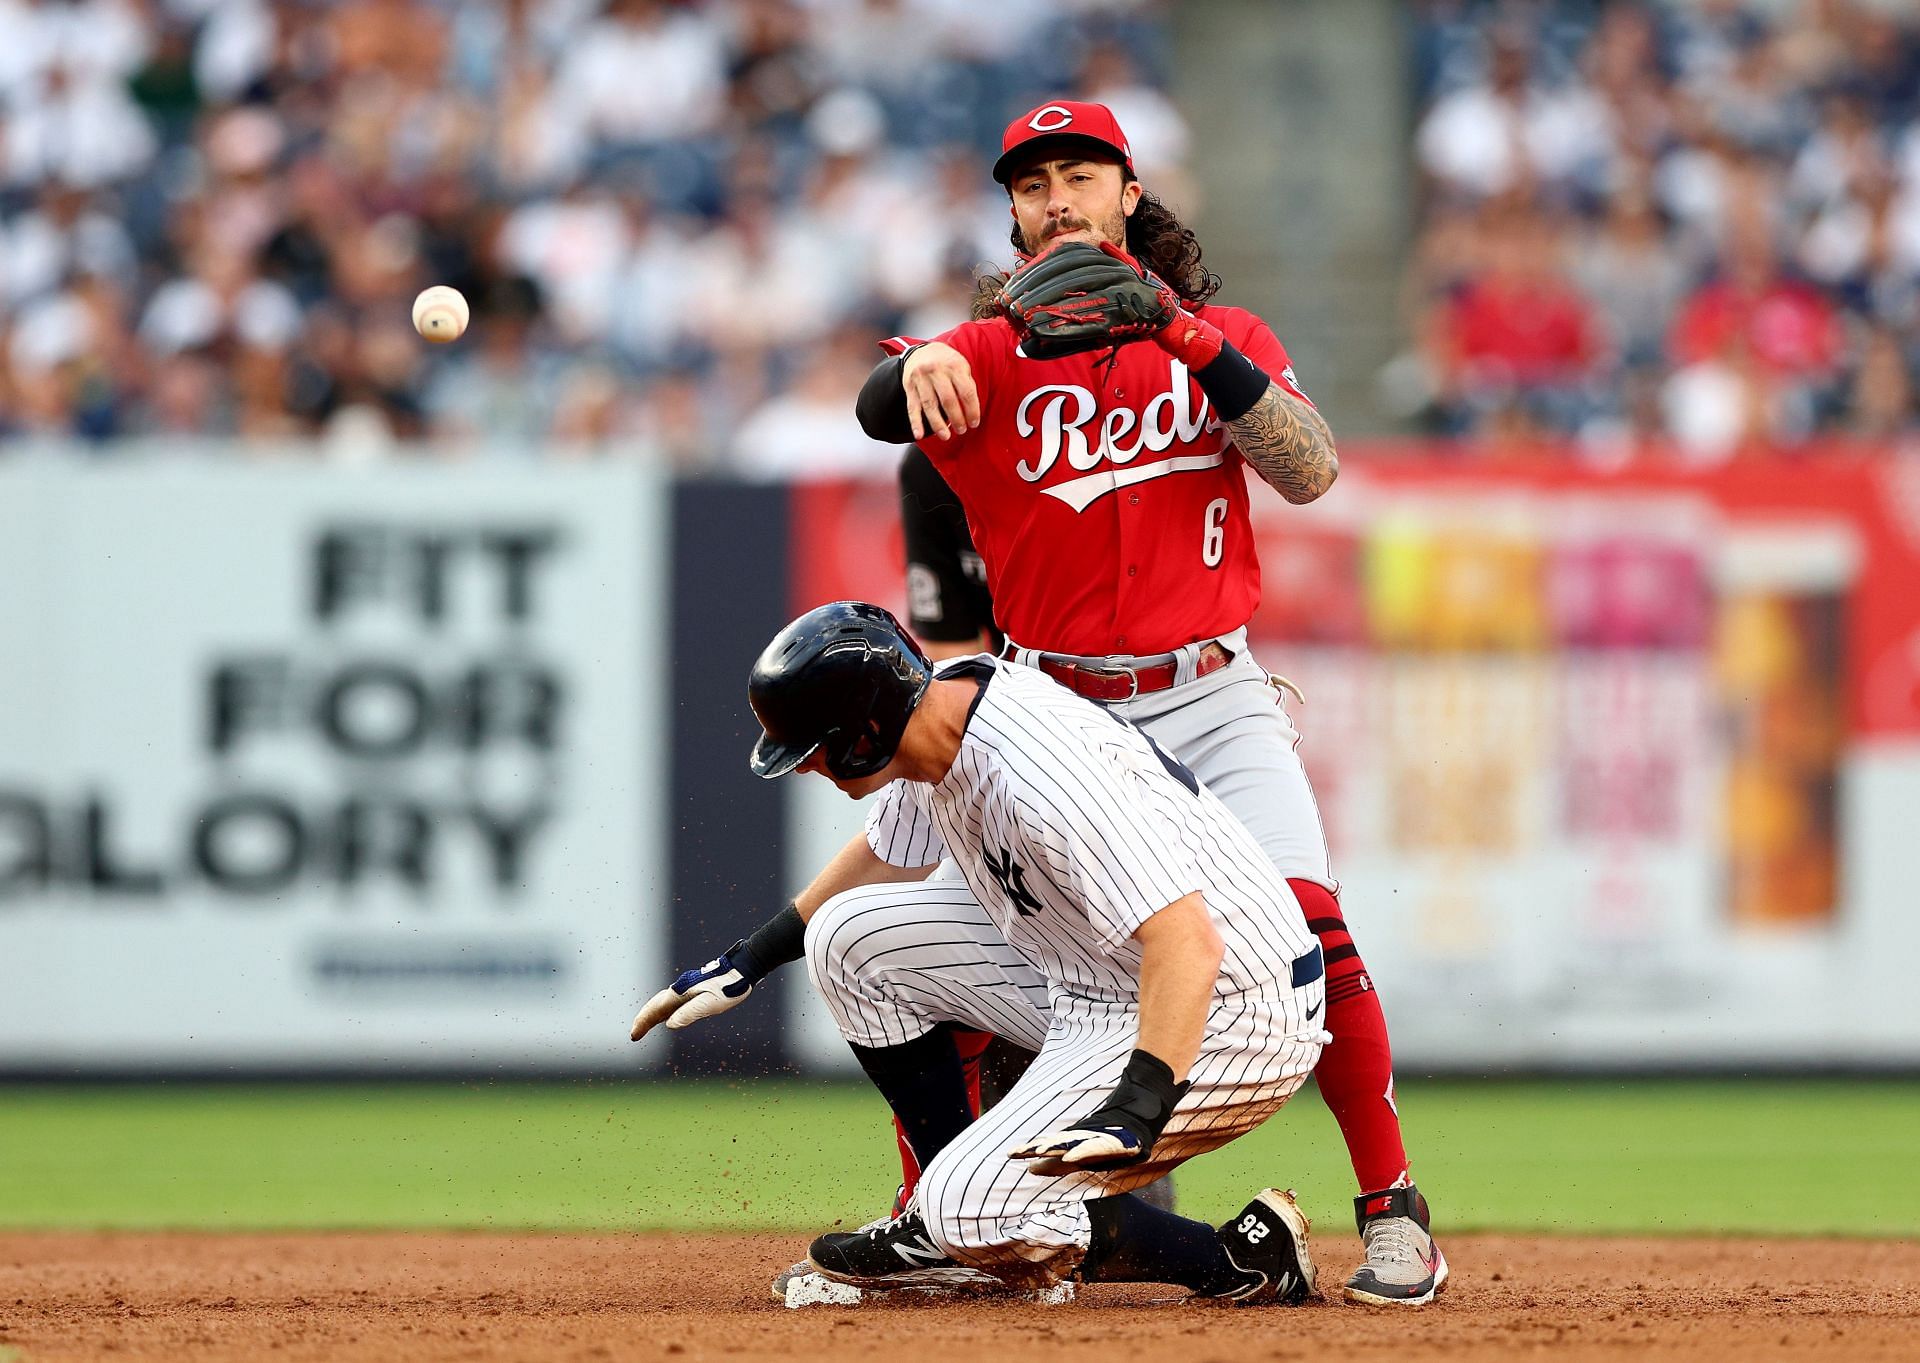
x: 896, y: 1253
x: 1268, y: 1244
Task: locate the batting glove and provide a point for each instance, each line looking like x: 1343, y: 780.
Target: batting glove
x: 1084, y: 1147
x: 698, y: 993
x: 1120, y: 1132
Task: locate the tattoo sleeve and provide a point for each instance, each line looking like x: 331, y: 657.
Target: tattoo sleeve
x: 1288, y: 444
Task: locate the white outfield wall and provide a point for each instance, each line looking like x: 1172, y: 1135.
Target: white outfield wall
x: 304, y: 767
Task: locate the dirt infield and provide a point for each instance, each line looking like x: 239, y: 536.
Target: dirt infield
x: 536, y: 1297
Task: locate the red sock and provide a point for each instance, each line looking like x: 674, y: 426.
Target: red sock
x: 971, y: 1045
x: 1356, y: 1072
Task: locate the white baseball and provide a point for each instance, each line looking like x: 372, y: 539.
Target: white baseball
x: 440, y: 314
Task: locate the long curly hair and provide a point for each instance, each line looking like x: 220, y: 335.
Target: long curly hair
x: 1155, y: 238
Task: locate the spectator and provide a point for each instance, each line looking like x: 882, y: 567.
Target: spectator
x: 1790, y: 330
x: 1510, y: 131
x: 1629, y: 267
x: 575, y: 248
x: 1865, y: 248
x: 592, y: 414
x: 247, y: 193
x: 1519, y: 338
x: 1718, y: 403
x: 810, y: 430
x: 1884, y: 63
x: 1156, y: 132
x: 223, y: 305
x: 644, y: 73
x: 765, y: 279
x: 213, y: 213
x: 65, y: 235
x: 498, y: 395
x: 74, y: 126
x: 1880, y: 404
x: 677, y: 422
x: 1751, y: 245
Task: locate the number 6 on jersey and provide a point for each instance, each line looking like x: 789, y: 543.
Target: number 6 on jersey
x: 1213, y: 543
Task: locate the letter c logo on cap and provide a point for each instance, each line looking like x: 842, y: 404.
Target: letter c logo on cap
x: 1060, y: 119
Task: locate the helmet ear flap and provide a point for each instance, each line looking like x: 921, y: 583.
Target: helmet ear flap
x: 855, y: 757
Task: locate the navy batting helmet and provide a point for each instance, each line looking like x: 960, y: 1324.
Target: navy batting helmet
x: 843, y: 679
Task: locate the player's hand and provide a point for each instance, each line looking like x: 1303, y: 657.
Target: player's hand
x: 1079, y: 1147
x: 941, y: 396
x: 694, y: 994
x: 1077, y: 297
x: 1121, y: 1131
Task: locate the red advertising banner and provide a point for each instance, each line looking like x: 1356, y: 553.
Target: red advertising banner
x: 1565, y: 557
x: 1850, y: 513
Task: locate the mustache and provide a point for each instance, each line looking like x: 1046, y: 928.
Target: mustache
x: 1059, y: 225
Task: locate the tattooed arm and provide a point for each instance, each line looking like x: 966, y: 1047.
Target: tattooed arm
x: 1281, y: 435
x: 1288, y: 444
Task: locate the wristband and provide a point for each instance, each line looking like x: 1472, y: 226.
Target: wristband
x: 1233, y: 383
x: 1144, y: 1098
x: 1193, y: 341
x: 780, y: 939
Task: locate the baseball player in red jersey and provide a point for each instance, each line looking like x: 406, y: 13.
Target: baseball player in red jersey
x: 1107, y: 496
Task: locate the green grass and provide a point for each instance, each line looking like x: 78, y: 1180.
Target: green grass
x: 1629, y: 1156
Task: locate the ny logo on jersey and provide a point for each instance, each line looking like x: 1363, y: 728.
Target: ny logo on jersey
x: 1013, y: 882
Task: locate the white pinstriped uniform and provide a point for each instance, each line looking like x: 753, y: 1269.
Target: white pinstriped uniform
x: 1069, y: 830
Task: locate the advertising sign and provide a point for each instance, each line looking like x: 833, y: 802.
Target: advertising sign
x: 309, y: 768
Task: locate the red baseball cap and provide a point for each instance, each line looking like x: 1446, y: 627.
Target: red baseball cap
x: 1065, y: 121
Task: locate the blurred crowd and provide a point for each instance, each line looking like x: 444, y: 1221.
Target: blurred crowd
x: 681, y: 223
x: 1694, y: 222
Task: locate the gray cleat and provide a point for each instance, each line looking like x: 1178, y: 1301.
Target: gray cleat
x: 1404, y: 1265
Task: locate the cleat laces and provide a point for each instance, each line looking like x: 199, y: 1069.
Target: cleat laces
x: 1389, y: 1240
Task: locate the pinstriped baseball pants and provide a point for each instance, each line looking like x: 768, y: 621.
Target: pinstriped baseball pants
x: 893, y: 961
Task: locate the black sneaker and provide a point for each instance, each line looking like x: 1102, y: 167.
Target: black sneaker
x: 896, y: 1253
x: 1268, y: 1243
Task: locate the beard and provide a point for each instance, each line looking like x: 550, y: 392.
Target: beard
x: 1113, y: 227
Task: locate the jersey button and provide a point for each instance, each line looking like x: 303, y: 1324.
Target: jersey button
x: 1132, y: 569
x: 1133, y: 499
x: 1121, y: 642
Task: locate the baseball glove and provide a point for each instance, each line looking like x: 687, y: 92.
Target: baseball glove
x: 1079, y: 297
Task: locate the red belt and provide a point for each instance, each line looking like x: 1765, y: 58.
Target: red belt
x: 1114, y: 682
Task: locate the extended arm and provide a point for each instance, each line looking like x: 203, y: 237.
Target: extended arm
x: 729, y: 977
x: 852, y: 866
x: 930, y: 388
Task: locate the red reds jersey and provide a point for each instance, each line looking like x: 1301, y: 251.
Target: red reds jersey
x: 1107, y: 501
